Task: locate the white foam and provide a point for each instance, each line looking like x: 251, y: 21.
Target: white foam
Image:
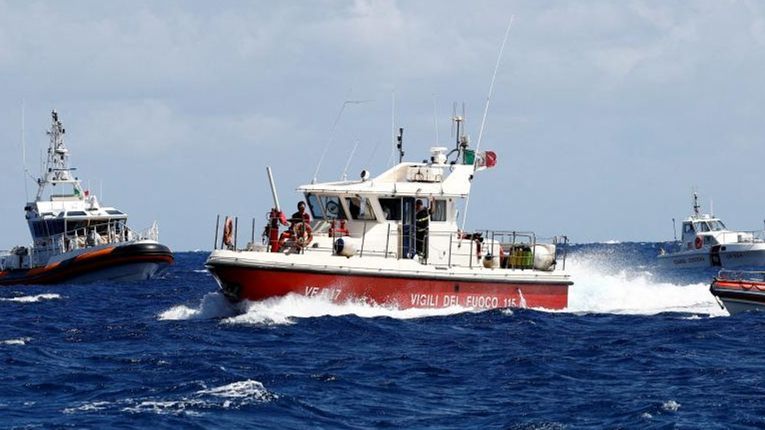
x: 599, y: 287
x: 230, y: 396
x: 87, y: 407
x: 31, y: 299
x: 283, y: 310
x: 212, y: 305
x: 19, y: 341
x: 249, y: 389
x: 167, y: 407
x: 670, y: 406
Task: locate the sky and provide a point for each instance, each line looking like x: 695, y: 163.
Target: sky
x: 605, y: 115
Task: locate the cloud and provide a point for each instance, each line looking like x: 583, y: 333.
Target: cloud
x: 592, y: 98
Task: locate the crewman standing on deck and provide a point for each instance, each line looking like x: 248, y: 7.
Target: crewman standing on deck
x: 422, y: 225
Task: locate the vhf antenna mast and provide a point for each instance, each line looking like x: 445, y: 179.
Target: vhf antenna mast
x: 400, y: 144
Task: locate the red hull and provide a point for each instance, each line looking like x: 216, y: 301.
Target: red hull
x: 250, y: 283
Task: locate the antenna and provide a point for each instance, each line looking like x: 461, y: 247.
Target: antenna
x: 454, y: 115
x: 400, y: 144
x: 696, y: 206
x: 348, y: 163
x: 711, y: 207
x: 332, y: 134
x: 24, y: 149
x: 486, y: 111
x: 491, y: 86
x: 674, y: 229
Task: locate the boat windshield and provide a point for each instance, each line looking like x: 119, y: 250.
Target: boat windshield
x: 701, y: 226
x: 325, y: 207
x: 716, y: 225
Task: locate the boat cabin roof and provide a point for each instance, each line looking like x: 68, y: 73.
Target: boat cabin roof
x: 404, y: 179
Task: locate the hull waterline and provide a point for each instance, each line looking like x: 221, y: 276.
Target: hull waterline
x: 403, y: 292
x: 137, y: 261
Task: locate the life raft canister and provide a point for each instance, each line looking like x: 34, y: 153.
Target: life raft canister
x: 699, y: 242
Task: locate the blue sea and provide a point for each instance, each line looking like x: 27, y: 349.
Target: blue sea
x: 638, y: 348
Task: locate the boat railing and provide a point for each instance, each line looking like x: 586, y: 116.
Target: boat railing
x: 488, y: 248
x: 751, y: 236
x: 94, y: 235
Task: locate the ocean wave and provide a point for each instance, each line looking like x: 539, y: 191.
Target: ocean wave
x: 31, y: 299
x: 230, y: 396
x: 18, y: 341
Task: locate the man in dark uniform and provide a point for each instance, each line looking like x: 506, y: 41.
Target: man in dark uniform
x: 421, y: 224
x: 301, y: 216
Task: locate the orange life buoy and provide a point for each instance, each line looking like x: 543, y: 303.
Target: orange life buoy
x: 699, y: 242
x: 228, y: 232
x: 303, y: 234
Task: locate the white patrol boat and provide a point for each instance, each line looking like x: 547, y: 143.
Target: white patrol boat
x: 706, y: 242
x: 74, y: 237
x: 368, y: 241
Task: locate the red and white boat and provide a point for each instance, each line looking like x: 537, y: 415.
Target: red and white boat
x: 739, y: 291
x: 363, y: 243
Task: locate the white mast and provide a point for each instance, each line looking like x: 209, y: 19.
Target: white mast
x: 57, y: 170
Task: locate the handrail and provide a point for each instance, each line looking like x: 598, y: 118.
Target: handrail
x: 85, y: 237
x: 514, y: 249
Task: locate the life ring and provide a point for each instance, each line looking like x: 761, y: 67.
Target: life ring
x: 228, y: 232
x: 699, y: 242
x: 303, y: 234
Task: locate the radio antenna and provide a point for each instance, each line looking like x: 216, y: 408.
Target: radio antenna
x: 674, y: 229
x: 24, y: 149
x: 348, y: 163
x: 491, y: 86
x: 486, y: 111
x: 332, y: 134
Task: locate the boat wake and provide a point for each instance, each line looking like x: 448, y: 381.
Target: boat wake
x: 602, y: 285
x: 212, y: 306
x: 285, y: 310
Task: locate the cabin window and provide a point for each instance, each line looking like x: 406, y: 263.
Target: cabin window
x: 702, y: 227
x: 114, y: 212
x: 438, y: 211
x: 391, y: 209
x: 716, y: 225
x: 314, y: 206
x: 325, y: 207
x: 360, y: 208
x: 688, y: 228
x: 76, y: 213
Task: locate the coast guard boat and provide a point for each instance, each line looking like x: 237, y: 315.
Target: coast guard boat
x: 739, y: 291
x: 707, y: 242
x: 75, y: 238
x: 367, y: 241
